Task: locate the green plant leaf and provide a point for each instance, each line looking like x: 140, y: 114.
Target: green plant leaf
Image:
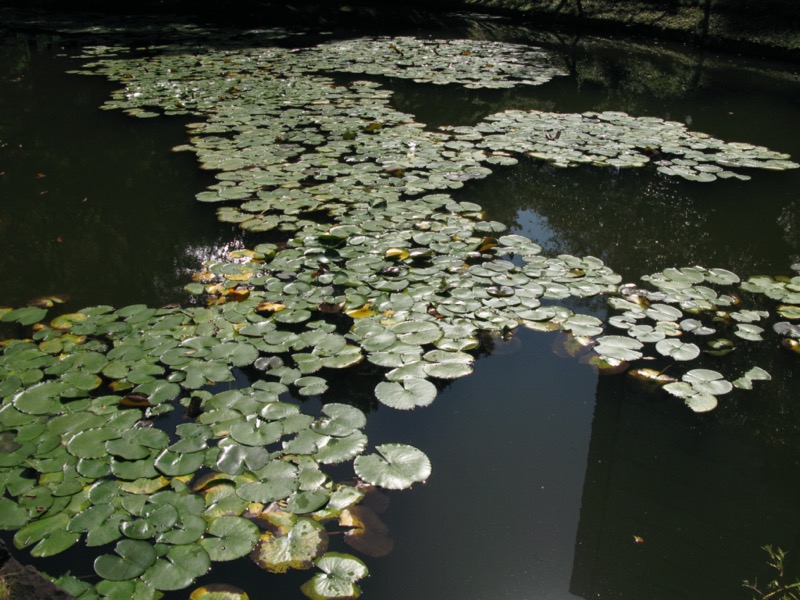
x: 338, y: 577
x: 279, y: 549
x: 678, y: 350
x: 229, y: 538
x: 405, y: 395
x: 178, y: 568
x: 395, y: 467
x: 132, y: 559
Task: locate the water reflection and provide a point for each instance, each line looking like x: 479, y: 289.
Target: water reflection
x: 676, y: 506
x: 512, y: 488
x: 92, y: 203
x: 640, y: 222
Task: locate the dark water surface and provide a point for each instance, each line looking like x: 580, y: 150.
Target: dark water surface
x: 548, y: 481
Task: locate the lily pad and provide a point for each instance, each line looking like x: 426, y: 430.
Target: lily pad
x: 406, y: 395
x: 178, y: 568
x: 295, y: 547
x: 395, y: 467
x: 618, y: 347
x: 132, y: 558
x: 338, y: 577
x: 677, y: 349
x: 229, y: 538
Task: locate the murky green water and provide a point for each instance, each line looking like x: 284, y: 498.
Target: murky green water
x: 548, y: 481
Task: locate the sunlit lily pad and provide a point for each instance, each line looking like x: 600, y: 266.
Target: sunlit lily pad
x: 218, y: 591
x: 395, y: 467
x: 293, y: 548
x: 745, y: 382
x: 405, y: 395
x: 707, y: 381
x: 618, y: 347
x: 338, y: 577
x: 674, y: 348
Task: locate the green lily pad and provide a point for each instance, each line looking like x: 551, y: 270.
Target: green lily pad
x: 677, y: 349
x: 335, y: 450
x: 41, y: 399
x: 745, y: 382
x: 12, y: 515
x: 25, y: 316
x: 618, y: 347
x: 748, y: 331
x: 132, y: 559
x: 789, y: 312
x: 707, y: 381
x: 255, y: 432
x: 340, y: 420
x: 280, y: 549
x: 338, y: 577
x: 178, y: 568
x: 701, y: 403
x: 91, y: 442
x: 218, y: 591
x: 395, y: 467
x: 406, y: 395
x: 229, y: 538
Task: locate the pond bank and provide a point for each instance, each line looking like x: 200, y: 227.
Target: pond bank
x: 24, y: 582
x: 769, y: 28
x: 763, y: 29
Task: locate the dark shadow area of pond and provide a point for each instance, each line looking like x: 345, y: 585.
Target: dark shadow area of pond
x: 545, y: 477
x: 92, y: 203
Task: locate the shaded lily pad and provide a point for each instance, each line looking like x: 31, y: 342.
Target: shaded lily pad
x: 178, y: 568
x: 132, y: 559
x: 229, y: 538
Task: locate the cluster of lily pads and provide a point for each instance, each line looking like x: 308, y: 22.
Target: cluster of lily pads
x: 369, y: 261
x: 84, y: 459
x: 699, y: 304
x: 474, y: 64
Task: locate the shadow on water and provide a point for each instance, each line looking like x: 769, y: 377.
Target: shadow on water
x: 92, y: 203
x: 548, y: 482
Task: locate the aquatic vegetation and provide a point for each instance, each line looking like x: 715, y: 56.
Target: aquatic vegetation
x: 370, y: 260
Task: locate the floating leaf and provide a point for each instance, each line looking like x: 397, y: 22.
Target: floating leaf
x: 707, y: 381
x: 218, y: 591
x: 12, y: 516
x: 618, y: 347
x: 178, y: 568
x: 405, y: 395
x: 745, y: 382
x: 279, y: 550
x: 338, y: 577
x: 229, y: 538
x: 701, y: 403
x: 25, y: 316
x: 133, y: 557
x: 747, y: 331
x: 395, y: 467
x: 678, y: 350
x: 340, y: 420
x: 789, y: 312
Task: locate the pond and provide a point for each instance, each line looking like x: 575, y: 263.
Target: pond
x: 548, y: 478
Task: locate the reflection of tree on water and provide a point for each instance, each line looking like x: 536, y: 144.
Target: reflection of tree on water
x: 594, y: 212
x: 671, y: 497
